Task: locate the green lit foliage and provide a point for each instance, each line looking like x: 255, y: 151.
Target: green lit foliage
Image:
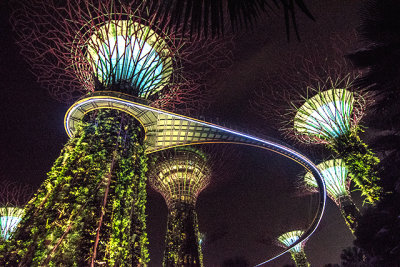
x: 331, y: 117
x: 182, y: 238
x: 362, y: 164
x: 300, y: 259
x: 180, y: 175
x: 91, y: 207
x: 350, y: 212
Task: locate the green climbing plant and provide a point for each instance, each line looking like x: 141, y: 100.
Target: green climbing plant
x: 362, y: 164
x: 91, y: 207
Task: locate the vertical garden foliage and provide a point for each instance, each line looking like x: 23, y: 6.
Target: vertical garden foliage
x: 91, y: 207
x: 300, y: 259
x: 362, y: 164
x: 349, y: 211
x: 182, y: 238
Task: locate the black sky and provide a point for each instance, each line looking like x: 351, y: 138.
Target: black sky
x: 237, y: 214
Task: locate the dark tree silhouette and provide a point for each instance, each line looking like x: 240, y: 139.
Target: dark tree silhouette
x: 378, y: 232
x: 235, y: 262
x: 206, y: 16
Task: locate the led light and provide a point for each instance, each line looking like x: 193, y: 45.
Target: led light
x: 326, y: 115
x: 180, y: 175
x: 9, y: 220
x: 290, y: 238
x: 126, y: 53
x: 335, y: 174
x: 244, y: 139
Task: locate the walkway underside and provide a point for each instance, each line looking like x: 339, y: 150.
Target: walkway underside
x: 164, y: 130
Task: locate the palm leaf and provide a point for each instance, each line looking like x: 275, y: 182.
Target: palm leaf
x: 204, y: 16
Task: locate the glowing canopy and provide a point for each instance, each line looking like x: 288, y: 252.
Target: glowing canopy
x: 180, y: 175
x: 9, y: 220
x: 128, y: 54
x: 287, y: 239
x: 335, y: 174
x: 327, y: 115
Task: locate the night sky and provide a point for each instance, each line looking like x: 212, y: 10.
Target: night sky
x: 254, y: 202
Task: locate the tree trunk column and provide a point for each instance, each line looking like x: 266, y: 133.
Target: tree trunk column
x: 300, y: 259
x: 182, y: 246
x: 349, y: 211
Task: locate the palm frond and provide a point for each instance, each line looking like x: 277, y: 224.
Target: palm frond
x: 205, y: 16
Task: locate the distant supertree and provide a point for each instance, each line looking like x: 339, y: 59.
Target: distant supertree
x: 91, y: 208
x: 179, y: 175
x: 319, y: 104
x: 13, y: 197
x: 331, y: 117
x: 337, y: 183
x: 297, y: 252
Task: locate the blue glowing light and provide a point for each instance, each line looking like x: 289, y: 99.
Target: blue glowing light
x: 250, y: 140
x: 335, y: 174
x: 327, y: 115
x: 129, y: 59
x: 290, y: 238
x: 8, y: 224
x: 329, y: 118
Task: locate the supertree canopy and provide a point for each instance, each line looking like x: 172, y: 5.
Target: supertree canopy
x: 332, y: 117
x: 297, y: 252
x: 9, y: 220
x: 123, y: 55
x: 337, y: 183
x: 12, y: 200
x: 320, y: 103
x: 325, y: 116
x: 180, y: 175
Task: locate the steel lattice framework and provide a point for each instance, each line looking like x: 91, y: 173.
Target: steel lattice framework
x: 124, y: 53
x: 82, y: 46
x: 180, y: 175
x: 327, y: 115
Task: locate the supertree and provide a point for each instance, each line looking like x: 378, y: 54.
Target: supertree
x: 13, y: 197
x: 180, y: 175
x: 318, y: 103
x: 331, y: 117
x: 91, y: 208
x: 297, y: 252
x: 337, y: 184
